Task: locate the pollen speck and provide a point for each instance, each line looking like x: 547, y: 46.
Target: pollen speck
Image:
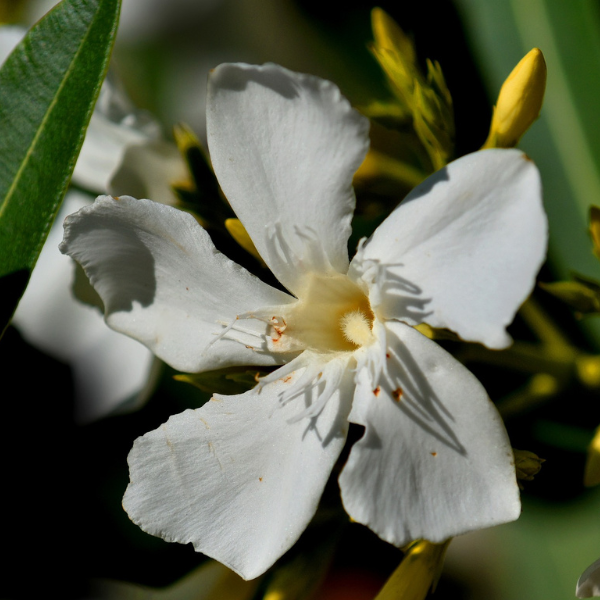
x: 397, y: 394
x: 433, y: 453
x: 260, y: 478
x: 377, y: 391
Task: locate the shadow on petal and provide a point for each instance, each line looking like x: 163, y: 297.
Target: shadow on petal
x: 238, y: 80
x: 413, y: 395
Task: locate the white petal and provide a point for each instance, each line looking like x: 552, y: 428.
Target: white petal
x: 163, y: 283
x: 109, y: 368
x: 115, y: 125
x: 113, y: 375
x: 284, y: 147
x: 148, y: 170
x: 588, y: 585
x: 463, y: 249
x: 435, y: 460
x: 239, y: 478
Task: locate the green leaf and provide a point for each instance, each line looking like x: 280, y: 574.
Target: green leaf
x: 48, y: 88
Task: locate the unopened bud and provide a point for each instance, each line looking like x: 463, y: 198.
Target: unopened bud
x: 240, y: 235
x: 418, y: 572
x: 527, y: 464
x: 519, y: 102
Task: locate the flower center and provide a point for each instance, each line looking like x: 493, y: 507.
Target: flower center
x: 332, y: 315
x: 356, y: 327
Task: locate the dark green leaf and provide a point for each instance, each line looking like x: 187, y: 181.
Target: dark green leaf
x: 48, y: 88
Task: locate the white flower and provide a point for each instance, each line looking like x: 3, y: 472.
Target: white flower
x: 588, y: 585
x: 241, y: 477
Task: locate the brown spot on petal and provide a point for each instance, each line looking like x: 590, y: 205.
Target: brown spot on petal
x: 377, y: 391
x: 260, y: 478
x: 397, y: 394
x: 387, y: 354
x: 286, y: 379
x: 433, y: 453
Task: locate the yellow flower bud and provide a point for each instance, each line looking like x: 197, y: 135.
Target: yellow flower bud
x: 519, y: 102
x: 240, y: 235
x: 418, y: 572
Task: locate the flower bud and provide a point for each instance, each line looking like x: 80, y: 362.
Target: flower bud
x: 519, y: 102
x: 418, y: 572
x: 527, y: 464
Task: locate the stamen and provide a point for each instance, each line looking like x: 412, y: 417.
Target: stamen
x: 234, y: 325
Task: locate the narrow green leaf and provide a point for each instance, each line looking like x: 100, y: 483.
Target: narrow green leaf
x: 48, y: 88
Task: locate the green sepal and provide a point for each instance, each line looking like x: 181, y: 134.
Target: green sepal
x: 424, y: 96
x: 391, y: 114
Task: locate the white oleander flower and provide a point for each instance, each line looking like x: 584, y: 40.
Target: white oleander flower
x: 241, y: 477
x: 588, y: 585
